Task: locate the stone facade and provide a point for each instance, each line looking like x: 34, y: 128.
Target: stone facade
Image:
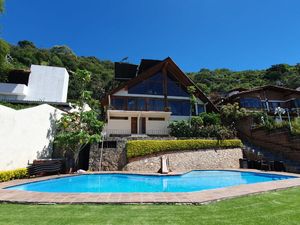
x: 112, y: 158
x: 190, y: 160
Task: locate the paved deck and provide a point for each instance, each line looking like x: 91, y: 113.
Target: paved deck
x: 199, y: 197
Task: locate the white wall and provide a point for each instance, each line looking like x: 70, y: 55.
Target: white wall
x: 157, y: 127
x: 47, y: 83
x: 26, y: 134
x: 119, y: 126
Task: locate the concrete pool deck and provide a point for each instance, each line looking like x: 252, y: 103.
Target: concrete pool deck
x: 198, y: 197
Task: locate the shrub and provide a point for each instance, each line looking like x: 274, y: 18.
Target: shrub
x: 296, y: 126
x: 232, y: 113
x: 210, y: 118
x: 146, y: 147
x: 13, y: 174
x: 197, y: 129
x: 180, y: 128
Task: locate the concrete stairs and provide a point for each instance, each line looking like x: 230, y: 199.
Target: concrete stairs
x: 290, y: 165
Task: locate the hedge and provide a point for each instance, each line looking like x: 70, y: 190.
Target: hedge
x: 146, y: 147
x: 13, y: 174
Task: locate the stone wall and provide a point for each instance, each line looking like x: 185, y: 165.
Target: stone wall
x: 190, y: 160
x: 112, y: 158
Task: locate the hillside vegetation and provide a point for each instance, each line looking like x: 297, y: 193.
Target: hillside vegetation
x: 212, y: 82
x: 26, y: 53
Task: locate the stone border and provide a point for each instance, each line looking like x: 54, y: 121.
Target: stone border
x: 198, y: 197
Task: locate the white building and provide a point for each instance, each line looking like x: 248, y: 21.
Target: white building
x: 153, y: 94
x: 41, y: 84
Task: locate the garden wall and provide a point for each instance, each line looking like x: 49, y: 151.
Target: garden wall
x: 26, y: 134
x: 190, y: 160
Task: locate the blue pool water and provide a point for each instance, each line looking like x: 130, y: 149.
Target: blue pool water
x: 193, y: 181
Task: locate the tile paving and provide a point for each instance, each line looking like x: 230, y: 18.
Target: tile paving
x: 199, y: 197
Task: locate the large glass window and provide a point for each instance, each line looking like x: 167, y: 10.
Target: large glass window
x: 141, y: 104
x: 175, y: 88
x: 118, y: 103
x: 152, y: 86
x: 136, y: 104
x: 274, y: 105
x: 200, y: 108
x: 250, y: 103
x: 156, y: 105
x: 297, y: 103
x: 179, y: 108
x: 131, y: 104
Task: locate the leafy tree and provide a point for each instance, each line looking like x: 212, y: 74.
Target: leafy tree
x: 81, y: 127
x: 26, y: 44
x: 1, y: 6
x: 4, y: 66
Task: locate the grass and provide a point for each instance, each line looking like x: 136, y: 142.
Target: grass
x: 280, y: 208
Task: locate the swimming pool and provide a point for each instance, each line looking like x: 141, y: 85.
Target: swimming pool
x: 196, y: 180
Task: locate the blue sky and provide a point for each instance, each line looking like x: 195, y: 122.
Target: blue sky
x: 235, y: 34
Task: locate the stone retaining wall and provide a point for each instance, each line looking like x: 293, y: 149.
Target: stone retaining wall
x: 112, y: 158
x: 190, y: 160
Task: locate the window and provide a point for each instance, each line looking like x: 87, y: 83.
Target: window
x: 250, y: 103
x: 175, y: 88
x: 156, y: 105
x: 108, y: 144
x: 118, y: 103
x: 118, y: 118
x: 200, y: 109
x: 179, y: 108
x: 156, y: 119
x: 274, y: 105
x: 297, y: 103
x: 131, y: 104
x: 141, y: 104
x: 152, y: 86
x: 136, y: 104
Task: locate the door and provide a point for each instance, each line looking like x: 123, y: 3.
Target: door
x: 134, y: 125
x: 143, y: 125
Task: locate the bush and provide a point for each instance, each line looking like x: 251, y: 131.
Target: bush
x: 296, y: 126
x: 210, y: 118
x: 146, y: 147
x: 13, y: 174
x: 232, y: 113
x: 197, y: 129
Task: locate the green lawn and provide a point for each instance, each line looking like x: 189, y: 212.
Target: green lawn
x: 276, y: 208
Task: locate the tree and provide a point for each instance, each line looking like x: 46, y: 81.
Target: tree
x: 1, y: 6
x: 81, y: 127
x: 26, y: 44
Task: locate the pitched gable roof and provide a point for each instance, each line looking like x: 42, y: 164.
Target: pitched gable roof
x: 171, y: 66
x: 285, y: 90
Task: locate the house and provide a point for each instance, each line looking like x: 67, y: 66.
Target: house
x: 40, y: 84
x: 265, y: 98
x: 152, y: 94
